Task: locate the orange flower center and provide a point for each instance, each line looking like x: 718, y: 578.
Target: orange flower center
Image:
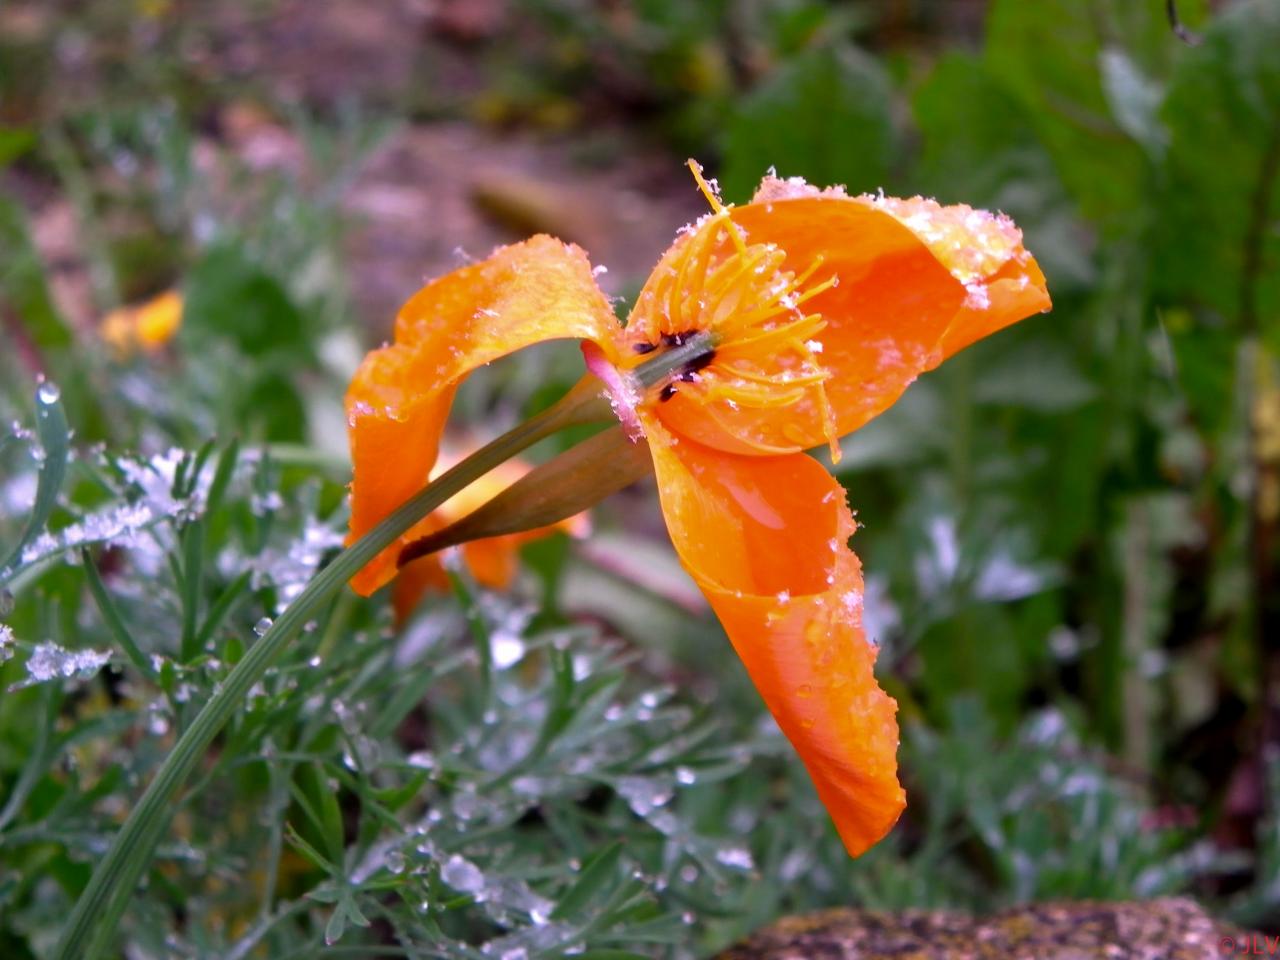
x: 766, y: 347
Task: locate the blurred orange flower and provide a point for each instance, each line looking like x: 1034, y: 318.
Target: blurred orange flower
x: 492, y: 561
x: 796, y: 318
x: 145, y: 326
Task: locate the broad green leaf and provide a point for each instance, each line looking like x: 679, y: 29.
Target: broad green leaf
x: 980, y: 146
x: 230, y: 298
x: 1134, y: 99
x: 823, y: 116
x: 1048, y: 55
x: 1034, y: 377
x: 1217, y: 241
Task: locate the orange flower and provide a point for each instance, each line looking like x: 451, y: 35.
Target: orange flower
x: 796, y: 318
x: 147, y: 326
x: 492, y: 561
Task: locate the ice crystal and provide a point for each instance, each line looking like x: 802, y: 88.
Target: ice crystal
x: 49, y: 661
x: 737, y: 858
x: 644, y: 794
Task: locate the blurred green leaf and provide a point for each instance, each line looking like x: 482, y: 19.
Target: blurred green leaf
x: 1034, y: 378
x: 23, y: 288
x: 979, y: 146
x: 823, y: 116
x: 1217, y: 241
x: 1134, y: 99
x: 228, y: 297
x: 14, y: 143
x: 1048, y: 54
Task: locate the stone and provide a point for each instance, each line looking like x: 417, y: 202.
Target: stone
x: 1168, y: 929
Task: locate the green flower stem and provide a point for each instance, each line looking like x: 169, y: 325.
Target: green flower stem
x: 574, y: 481
x: 92, y: 925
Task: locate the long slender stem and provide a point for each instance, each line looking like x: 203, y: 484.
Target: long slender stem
x: 93, y: 922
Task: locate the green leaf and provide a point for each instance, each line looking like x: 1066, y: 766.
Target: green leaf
x: 979, y: 145
x: 1034, y: 379
x: 1134, y: 99
x: 337, y: 924
x: 90, y: 929
x: 320, y: 804
x: 228, y: 297
x: 1047, y: 54
x: 823, y: 116
x: 111, y: 617
x: 227, y: 601
x: 593, y: 882
x: 192, y: 539
x: 1217, y: 237
x: 222, y: 477
x: 55, y: 440
x: 22, y: 282
x: 14, y: 143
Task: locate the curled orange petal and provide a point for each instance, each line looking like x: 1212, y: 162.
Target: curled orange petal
x: 765, y: 540
x: 829, y: 307
x: 397, y: 403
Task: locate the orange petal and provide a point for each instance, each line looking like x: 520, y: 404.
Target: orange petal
x: 397, y: 402
x: 765, y: 539
x: 1003, y: 282
x: 917, y: 282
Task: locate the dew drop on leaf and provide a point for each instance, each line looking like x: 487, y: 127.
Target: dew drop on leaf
x: 463, y: 875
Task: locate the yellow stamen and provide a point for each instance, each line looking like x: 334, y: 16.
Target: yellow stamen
x: 801, y: 380
x: 696, y: 169
x: 766, y: 353
x: 717, y: 206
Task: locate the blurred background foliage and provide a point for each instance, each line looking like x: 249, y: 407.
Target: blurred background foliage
x: 1071, y: 531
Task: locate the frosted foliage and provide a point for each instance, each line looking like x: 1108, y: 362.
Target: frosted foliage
x: 122, y: 524
x: 995, y: 573
x: 49, y: 661
x: 155, y: 477
x: 290, y: 569
x: 737, y: 858
x: 118, y: 525
x: 644, y: 794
